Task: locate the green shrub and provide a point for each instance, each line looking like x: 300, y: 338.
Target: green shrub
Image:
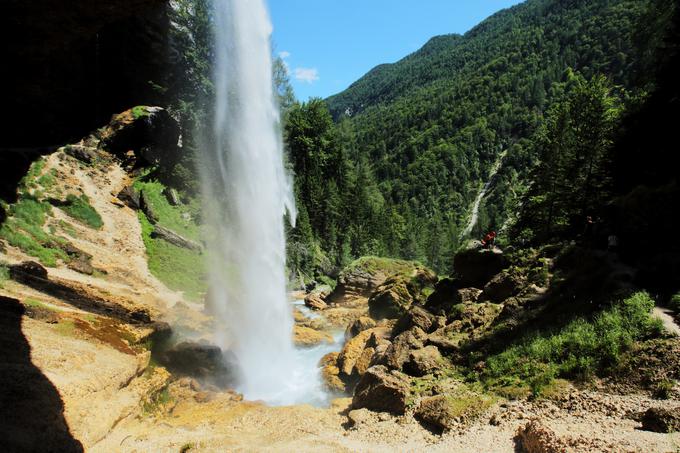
x: 579, y: 350
x: 80, y: 209
x: 140, y: 111
x: 675, y: 303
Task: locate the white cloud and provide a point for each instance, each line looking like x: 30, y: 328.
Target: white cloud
x: 308, y: 75
x: 283, y: 55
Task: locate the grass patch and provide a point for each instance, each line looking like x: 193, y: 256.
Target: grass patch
x: 4, y: 274
x: 140, y: 111
x: 29, y: 181
x: 373, y: 264
x: 171, y: 217
x: 80, y: 209
x: 24, y: 230
x: 157, y: 401
x: 66, y: 327
x: 579, y: 350
x: 34, y: 303
x: 178, y: 268
x: 68, y: 228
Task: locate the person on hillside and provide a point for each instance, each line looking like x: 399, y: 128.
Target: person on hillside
x: 489, y: 240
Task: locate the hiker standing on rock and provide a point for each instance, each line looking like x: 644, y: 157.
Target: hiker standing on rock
x: 489, y: 240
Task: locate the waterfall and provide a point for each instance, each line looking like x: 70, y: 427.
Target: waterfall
x: 246, y: 192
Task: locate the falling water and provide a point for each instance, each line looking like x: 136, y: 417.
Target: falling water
x: 246, y: 193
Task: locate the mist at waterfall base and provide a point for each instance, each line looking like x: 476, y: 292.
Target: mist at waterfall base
x: 246, y: 192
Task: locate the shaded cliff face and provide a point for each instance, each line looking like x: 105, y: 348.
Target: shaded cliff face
x: 71, y: 65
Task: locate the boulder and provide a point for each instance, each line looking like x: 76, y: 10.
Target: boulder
x: 81, y: 265
x: 398, y: 353
x: 358, y: 326
x: 503, y: 286
x: 445, y: 412
x: 27, y: 271
x: 354, y: 349
x: 359, y: 417
x: 194, y: 359
x: 175, y: 239
x: 305, y: 336
x: 446, y: 339
x: 534, y: 437
x: 330, y: 373
x: 447, y: 293
x: 661, y: 420
x: 475, y: 266
x: 130, y: 197
x: 315, y: 302
x: 415, y: 317
x: 470, y: 317
x: 380, y: 389
x: 423, y: 361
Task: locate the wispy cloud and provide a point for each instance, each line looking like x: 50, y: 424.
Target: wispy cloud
x: 307, y: 75
x: 284, y: 54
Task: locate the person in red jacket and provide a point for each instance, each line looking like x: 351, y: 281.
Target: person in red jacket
x: 489, y: 240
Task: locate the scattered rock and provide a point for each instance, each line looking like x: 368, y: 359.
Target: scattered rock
x: 661, y: 420
x: 447, y: 293
x: 380, y: 389
x: 175, y: 239
x: 475, y: 266
x: 81, y: 265
x: 172, y: 196
x: 130, y: 197
x: 305, y: 336
x: 315, y: 302
x: 392, y: 298
x: 358, y: 326
x: 359, y: 417
x: 423, y: 361
x: 27, y: 271
x: 534, y: 437
x: 81, y: 152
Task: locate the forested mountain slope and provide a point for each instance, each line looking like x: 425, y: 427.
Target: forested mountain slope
x: 431, y: 125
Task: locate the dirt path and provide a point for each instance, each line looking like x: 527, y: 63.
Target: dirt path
x: 665, y: 315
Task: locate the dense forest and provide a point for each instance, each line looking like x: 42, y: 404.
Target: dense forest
x: 392, y: 165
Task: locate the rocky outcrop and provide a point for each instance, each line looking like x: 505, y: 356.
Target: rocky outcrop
x: 416, y: 317
x: 150, y: 132
x: 130, y: 197
x: 27, y: 272
x: 330, y: 373
x: 362, y: 277
x: 383, y: 390
x: 393, y: 298
x: 399, y: 351
x: 447, y: 293
x: 475, y: 266
x: 195, y: 359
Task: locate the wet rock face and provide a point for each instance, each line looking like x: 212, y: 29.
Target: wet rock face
x: 200, y: 360
x: 382, y: 390
x: 74, y: 64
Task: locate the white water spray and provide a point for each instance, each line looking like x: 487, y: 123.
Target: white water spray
x: 246, y: 192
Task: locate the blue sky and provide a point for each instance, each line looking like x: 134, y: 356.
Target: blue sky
x: 328, y: 44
